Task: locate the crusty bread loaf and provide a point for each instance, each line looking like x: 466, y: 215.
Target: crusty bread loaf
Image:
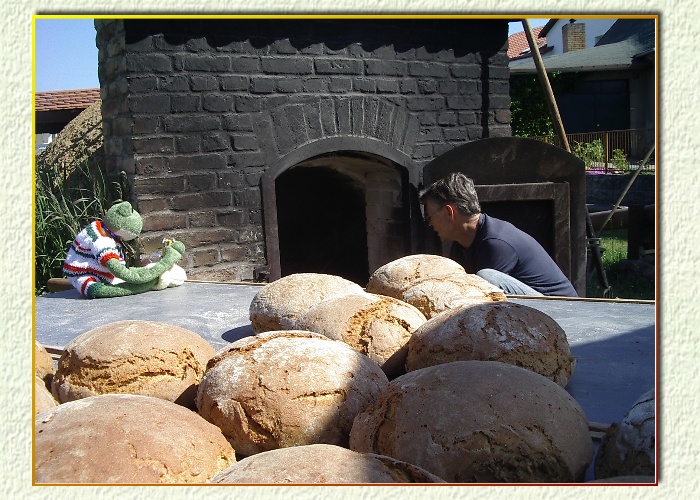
x: 278, y: 304
x: 433, y: 295
x: 628, y: 448
x: 393, y: 277
x: 375, y: 325
x: 494, y: 331
x: 43, y: 399
x: 44, y: 367
x: 478, y: 421
x: 432, y: 284
x: 136, y: 357
x: 287, y: 388
x: 126, y: 438
x: 322, y: 464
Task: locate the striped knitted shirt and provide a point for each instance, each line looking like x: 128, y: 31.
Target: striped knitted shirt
x: 89, y: 252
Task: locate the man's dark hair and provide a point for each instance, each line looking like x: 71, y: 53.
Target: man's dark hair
x: 456, y: 188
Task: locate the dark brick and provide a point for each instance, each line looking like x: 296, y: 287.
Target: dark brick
x: 248, y: 104
x: 288, y: 85
x: 234, y: 83
x: 339, y: 85
x: 315, y: 85
x: 153, y: 104
x: 287, y: 65
x: 427, y: 86
x: 203, y: 218
x: 237, y: 122
x: 155, y: 185
x: 234, y: 218
x: 366, y: 85
x: 151, y: 166
x: 216, y: 141
x: 148, y: 63
x: 145, y: 124
x: 249, y: 197
x: 153, y: 145
x: 263, y: 85
x: 328, y: 117
x: 205, y: 257
x: 163, y: 221
x: 201, y: 83
x: 143, y: 84
x: 179, y: 83
x: 208, y: 161
x: 245, y: 143
x: 201, y: 181
x: 385, y: 68
x: 206, y: 199
x: 245, y: 64
x: 425, y: 103
x: 187, y: 144
x: 234, y: 253
x: 336, y: 66
x: 217, y: 103
x: 185, y: 103
x: 201, y: 62
x: 428, y: 69
x: 464, y: 102
x: 201, y: 237
x: 191, y: 123
x: 387, y: 86
x: 430, y: 134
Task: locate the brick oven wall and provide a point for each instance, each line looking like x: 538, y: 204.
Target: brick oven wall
x: 194, y: 111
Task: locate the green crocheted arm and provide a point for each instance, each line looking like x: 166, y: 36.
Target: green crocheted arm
x: 171, y: 255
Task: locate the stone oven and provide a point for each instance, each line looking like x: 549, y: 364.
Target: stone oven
x: 274, y: 146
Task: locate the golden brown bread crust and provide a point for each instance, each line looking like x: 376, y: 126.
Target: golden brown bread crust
x: 126, y: 438
x: 136, y: 357
x: 278, y: 304
x: 322, y: 464
x: 287, y: 388
x: 375, y: 325
x: 478, y: 421
x: 494, y: 331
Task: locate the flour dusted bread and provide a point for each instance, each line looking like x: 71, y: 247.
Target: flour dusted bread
x: 478, y: 421
x: 432, y: 284
x: 322, y: 464
x: 287, y: 388
x: 126, y: 438
x: 494, y: 331
x: 278, y: 304
x: 393, y: 277
x: 136, y: 357
x: 628, y: 448
x: 375, y: 325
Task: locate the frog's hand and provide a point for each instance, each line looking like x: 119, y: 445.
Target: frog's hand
x: 139, y: 274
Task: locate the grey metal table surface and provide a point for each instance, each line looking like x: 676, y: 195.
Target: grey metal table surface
x: 614, y: 341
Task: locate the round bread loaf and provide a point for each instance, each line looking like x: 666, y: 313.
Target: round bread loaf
x: 322, y: 464
x: 43, y: 399
x: 43, y: 364
x: 278, y: 304
x: 375, y: 325
x: 393, y: 277
x: 478, y: 422
x: 126, y: 438
x: 287, y: 388
x: 494, y: 331
x: 135, y: 357
x: 629, y: 448
x: 433, y: 295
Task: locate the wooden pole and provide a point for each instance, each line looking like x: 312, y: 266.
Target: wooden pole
x: 544, y: 81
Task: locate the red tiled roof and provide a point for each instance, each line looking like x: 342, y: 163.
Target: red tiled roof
x: 517, y: 42
x: 65, y: 99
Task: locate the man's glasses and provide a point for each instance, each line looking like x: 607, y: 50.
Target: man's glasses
x: 428, y: 218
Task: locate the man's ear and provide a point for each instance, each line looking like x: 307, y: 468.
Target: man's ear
x: 450, y: 212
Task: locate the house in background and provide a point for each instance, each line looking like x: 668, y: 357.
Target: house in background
x: 616, y: 91
x: 54, y: 110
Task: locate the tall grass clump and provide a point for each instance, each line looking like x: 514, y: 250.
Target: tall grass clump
x: 64, y: 203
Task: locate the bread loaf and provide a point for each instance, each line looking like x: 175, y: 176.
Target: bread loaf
x: 43, y: 399
x: 322, y: 464
x: 278, y: 304
x: 628, y: 448
x: 287, y: 388
x: 136, y: 357
x: 478, y: 422
x: 393, y: 277
x: 126, y: 438
x: 375, y: 325
x: 494, y: 331
x: 44, y: 367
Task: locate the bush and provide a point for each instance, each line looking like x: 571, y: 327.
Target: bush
x: 589, y: 152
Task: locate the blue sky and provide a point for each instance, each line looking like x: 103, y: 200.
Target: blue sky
x: 66, y: 55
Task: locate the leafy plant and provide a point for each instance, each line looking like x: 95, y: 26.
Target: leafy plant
x: 619, y: 160
x: 589, y: 152
x: 65, y: 202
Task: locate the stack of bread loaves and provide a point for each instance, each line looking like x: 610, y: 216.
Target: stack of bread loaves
x: 432, y: 284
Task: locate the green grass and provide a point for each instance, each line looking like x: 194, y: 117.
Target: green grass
x: 625, y: 284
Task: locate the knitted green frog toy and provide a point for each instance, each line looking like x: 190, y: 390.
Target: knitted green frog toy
x: 95, y: 263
